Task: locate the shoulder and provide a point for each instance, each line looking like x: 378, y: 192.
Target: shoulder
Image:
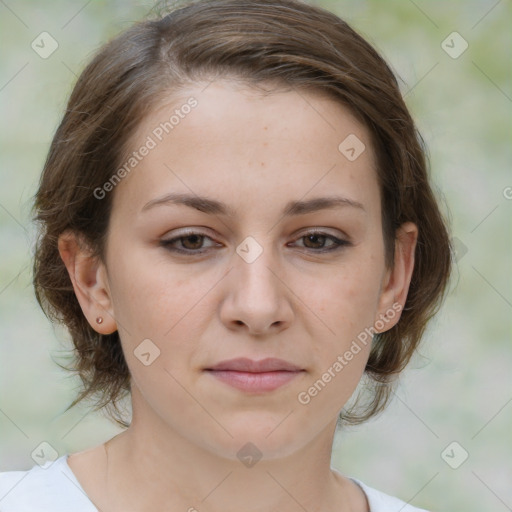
x: 381, y: 502
x: 48, y: 488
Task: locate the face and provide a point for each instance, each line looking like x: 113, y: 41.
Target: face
x: 247, y: 231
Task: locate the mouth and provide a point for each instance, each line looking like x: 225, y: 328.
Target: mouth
x: 255, y: 376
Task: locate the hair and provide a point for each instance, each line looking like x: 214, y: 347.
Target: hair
x: 286, y: 42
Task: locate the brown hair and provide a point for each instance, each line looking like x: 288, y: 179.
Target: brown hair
x: 281, y: 41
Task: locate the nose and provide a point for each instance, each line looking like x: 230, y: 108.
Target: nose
x: 257, y: 299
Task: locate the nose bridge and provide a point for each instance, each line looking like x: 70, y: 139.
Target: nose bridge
x: 256, y: 296
x: 255, y: 270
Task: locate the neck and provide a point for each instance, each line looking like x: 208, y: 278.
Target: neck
x: 177, y: 474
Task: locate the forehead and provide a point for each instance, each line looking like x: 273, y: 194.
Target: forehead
x: 240, y: 141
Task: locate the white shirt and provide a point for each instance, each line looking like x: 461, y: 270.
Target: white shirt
x: 54, y: 488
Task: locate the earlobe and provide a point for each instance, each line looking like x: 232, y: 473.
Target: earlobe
x: 398, y: 279
x: 90, y: 283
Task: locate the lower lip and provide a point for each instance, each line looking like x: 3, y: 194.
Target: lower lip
x: 255, y: 382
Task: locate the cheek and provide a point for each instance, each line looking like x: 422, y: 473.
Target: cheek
x: 171, y: 307
x: 151, y: 299
x: 158, y: 314
x: 349, y: 299
x: 347, y: 306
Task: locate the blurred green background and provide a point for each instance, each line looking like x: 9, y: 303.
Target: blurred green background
x: 459, y: 388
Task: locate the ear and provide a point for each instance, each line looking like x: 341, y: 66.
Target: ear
x: 90, y: 282
x: 395, y: 285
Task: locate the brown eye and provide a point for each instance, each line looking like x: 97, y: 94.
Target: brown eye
x: 188, y: 243
x: 316, y: 242
x: 192, y: 242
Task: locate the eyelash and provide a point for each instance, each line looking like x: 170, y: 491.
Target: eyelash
x: 337, y: 243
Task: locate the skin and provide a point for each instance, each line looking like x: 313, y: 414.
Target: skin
x: 255, y: 153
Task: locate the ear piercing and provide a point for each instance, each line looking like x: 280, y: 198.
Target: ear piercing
x: 99, y: 320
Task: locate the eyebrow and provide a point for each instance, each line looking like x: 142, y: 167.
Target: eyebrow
x: 214, y: 207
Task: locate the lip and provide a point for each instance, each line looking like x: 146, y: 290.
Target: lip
x: 255, y: 376
x: 243, y: 364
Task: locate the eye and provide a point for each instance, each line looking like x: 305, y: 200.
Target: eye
x: 191, y: 243
x: 316, y: 241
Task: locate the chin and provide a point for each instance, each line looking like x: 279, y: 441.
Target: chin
x: 260, y: 435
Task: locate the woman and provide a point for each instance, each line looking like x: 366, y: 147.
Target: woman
x: 237, y: 228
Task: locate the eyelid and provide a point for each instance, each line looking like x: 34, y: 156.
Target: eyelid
x: 184, y: 234
x: 304, y: 232
x: 337, y: 242
x: 321, y: 231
